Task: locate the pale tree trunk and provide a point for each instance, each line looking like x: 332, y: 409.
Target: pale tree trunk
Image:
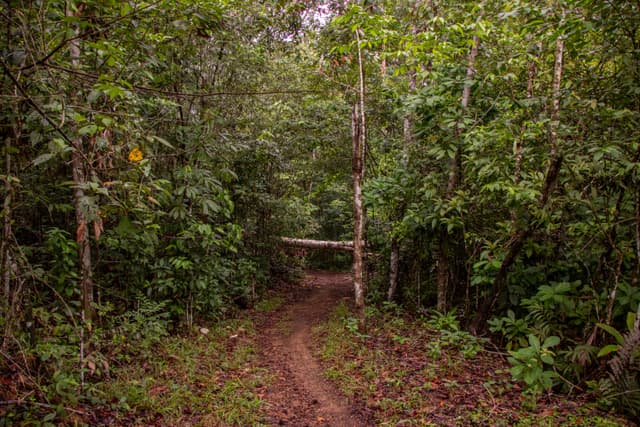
x: 394, y: 268
x: 555, y: 106
x: 455, y: 171
x: 518, y: 239
x: 359, y: 140
x: 519, y: 152
x: 358, y: 219
x: 79, y: 181
x: 394, y: 258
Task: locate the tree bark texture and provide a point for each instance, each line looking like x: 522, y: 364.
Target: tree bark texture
x: 5, y: 251
x: 394, y: 268
x: 394, y: 257
x: 358, y: 219
x: 79, y: 180
x: 358, y: 141
x: 637, y: 234
x: 519, y: 151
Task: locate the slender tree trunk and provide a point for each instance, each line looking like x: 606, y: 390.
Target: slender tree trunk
x: 555, y: 107
x: 442, y: 272
x: 517, y: 241
x: 358, y: 169
x: 5, y: 249
x: 394, y: 258
x: 637, y: 235
x: 455, y: 171
x: 8, y: 267
x: 519, y: 154
x: 394, y: 268
x: 466, y: 91
x: 358, y: 219
x: 82, y: 231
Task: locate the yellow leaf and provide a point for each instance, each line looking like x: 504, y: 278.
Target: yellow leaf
x: 135, y: 155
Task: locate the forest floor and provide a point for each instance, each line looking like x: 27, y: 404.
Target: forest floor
x: 297, y: 359
x: 300, y: 394
x: 401, y: 373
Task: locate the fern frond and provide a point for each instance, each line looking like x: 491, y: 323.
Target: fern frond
x: 625, y: 358
x: 622, y: 388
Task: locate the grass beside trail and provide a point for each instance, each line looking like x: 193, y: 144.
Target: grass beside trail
x: 203, y: 379
x: 429, y: 372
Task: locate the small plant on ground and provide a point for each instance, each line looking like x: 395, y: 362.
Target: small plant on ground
x: 451, y: 335
x: 531, y: 364
x: 394, y: 372
x: 206, y: 379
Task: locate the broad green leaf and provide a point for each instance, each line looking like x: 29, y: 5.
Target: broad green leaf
x: 546, y: 359
x: 631, y: 320
x: 90, y: 129
x: 534, y: 341
x: 613, y: 332
x: 607, y: 349
x: 551, y: 341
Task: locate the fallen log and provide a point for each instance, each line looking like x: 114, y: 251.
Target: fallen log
x: 318, y: 244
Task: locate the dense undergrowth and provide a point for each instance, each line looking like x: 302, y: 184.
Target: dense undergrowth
x: 147, y: 376
x: 428, y: 371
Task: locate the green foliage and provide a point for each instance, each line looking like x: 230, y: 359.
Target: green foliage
x: 451, y: 336
x: 143, y: 327
x: 62, y: 252
x: 195, y: 373
x: 534, y: 364
x: 396, y: 375
x: 621, y: 389
x: 515, y: 330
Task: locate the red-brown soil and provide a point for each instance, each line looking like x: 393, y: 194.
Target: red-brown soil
x: 299, y: 395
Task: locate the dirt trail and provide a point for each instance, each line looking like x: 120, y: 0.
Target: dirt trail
x: 300, y: 395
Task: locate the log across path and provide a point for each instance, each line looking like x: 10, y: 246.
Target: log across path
x: 341, y: 245
x: 300, y: 395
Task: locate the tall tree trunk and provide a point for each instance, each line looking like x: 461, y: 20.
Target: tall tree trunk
x: 359, y: 140
x: 79, y: 181
x: 5, y: 247
x: 637, y: 235
x: 5, y: 250
x: 12, y: 295
x: 394, y: 268
x: 519, y: 152
x: 455, y: 171
x: 517, y: 241
x: 394, y: 258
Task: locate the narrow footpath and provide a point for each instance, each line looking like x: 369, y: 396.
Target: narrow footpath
x: 299, y: 394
